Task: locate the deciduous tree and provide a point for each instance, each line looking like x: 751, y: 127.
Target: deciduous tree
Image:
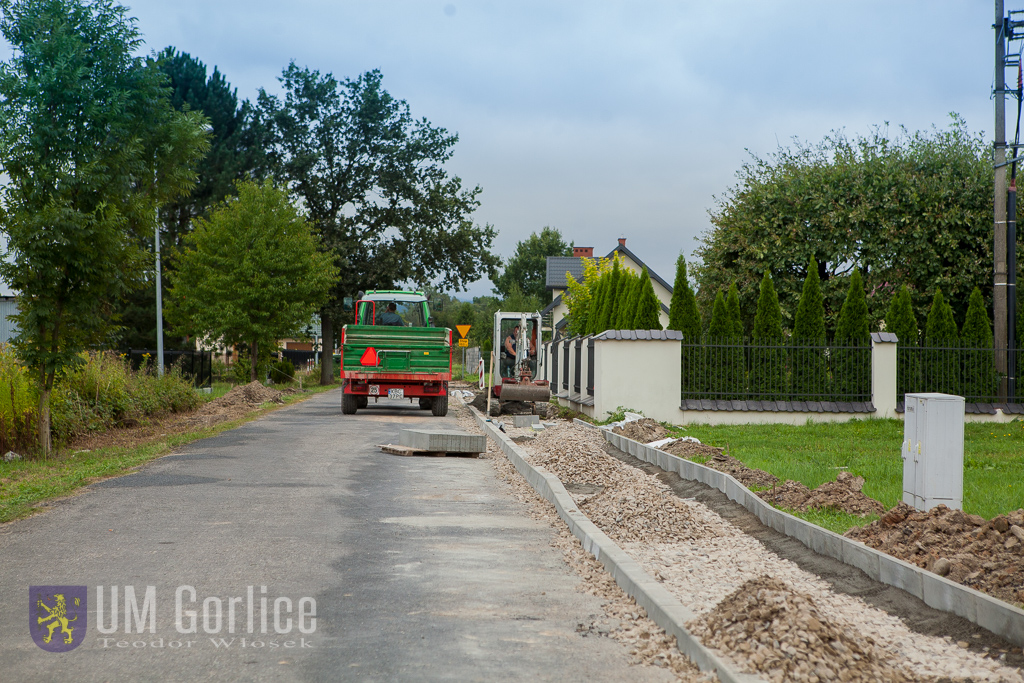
x: 373, y: 182
x: 91, y: 147
x: 252, y: 273
x: 528, y: 266
x: 911, y: 208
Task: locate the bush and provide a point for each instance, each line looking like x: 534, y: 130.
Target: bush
x: 18, y: 404
x: 282, y: 372
x: 103, y: 392
x: 242, y: 367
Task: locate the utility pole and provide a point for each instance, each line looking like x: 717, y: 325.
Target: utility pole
x: 999, y: 297
x: 1004, y: 297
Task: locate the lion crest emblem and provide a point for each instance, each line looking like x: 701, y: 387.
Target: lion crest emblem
x: 57, y: 616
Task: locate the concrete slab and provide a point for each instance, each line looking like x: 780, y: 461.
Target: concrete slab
x: 446, y: 440
x: 525, y: 420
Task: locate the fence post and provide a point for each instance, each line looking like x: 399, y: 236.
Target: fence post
x: 883, y: 373
x: 638, y: 369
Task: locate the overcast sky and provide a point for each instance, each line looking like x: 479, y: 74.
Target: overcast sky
x: 609, y: 119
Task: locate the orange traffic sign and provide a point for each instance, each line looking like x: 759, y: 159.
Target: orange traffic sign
x: 463, y: 329
x: 463, y: 342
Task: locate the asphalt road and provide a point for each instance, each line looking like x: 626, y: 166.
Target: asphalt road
x: 420, y: 569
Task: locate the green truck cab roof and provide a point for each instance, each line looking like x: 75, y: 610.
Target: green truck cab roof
x: 393, y: 295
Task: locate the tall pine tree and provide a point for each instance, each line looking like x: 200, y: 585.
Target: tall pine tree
x: 683, y: 314
x: 941, y: 362
x: 732, y: 303
x: 981, y: 383
x: 901, y: 321
x: 808, y: 359
x: 851, y: 367
x: 648, y: 308
x: 608, y: 305
x: 768, y: 368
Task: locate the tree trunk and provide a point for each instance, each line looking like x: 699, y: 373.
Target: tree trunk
x: 326, y: 350
x: 253, y: 360
x: 44, y: 421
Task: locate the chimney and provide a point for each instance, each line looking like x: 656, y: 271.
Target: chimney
x: 583, y: 252
x: 622, y: 241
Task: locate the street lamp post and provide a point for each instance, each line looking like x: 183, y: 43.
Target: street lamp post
x: 159, y: 305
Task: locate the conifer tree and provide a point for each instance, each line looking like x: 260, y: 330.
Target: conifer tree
x: 596, y: 304
x: 719, y: 328
x: 851, y: 368
x: 941, y: 328
x: 608, y: 306
x: 808, y: 360
x: 648, y: 308
x: 683, y: 314
x: 900, y: 319
x: 725, y: 357
x: 809, y: 325
x: 768, y: 369
x: 981, y: 383
x: 732, y: 303
x: 631, y: 297
x: 941, y: 364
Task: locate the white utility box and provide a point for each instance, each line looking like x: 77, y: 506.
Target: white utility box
x: 933, y: 451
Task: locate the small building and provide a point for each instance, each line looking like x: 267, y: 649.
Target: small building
x: 558, y: 266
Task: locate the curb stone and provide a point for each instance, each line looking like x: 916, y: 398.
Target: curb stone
x: 662, y: 607
x: 1001, y: 618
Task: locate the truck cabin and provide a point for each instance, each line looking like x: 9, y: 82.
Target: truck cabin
x: 393, y: 309
x: 507, y: 335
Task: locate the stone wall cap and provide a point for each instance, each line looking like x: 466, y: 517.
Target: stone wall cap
x: 884, y: 337
x: 641, y: 335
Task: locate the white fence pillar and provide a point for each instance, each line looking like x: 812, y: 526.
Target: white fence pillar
x: 883, y: 374
x: 638, y: 369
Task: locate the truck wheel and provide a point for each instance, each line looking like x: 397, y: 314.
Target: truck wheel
x: 439, y: 406
x: 426, y: 403
x: 362, y: 401
x: 349, y: 404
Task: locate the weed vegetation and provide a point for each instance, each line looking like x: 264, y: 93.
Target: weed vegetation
x: 101, y: 392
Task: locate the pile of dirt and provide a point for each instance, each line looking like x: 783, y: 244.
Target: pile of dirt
x: 985, y: 555
x: 718, y: 460
x: 644, y: 430
x: 842, y: 494
x: 779, y: 632
x: 235, y: 404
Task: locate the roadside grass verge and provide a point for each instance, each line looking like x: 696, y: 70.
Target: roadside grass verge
x: 816, y: 452
x: 24, y: 484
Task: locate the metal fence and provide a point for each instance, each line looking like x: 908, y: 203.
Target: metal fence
x: 729, y: 369
x: 196, y: 365
x: 949, y: 369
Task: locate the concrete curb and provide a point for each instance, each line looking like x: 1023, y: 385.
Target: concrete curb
x: 997, y: 616
x: 662, y: 607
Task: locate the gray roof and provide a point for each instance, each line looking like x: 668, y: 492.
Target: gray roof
x: 662, y: 335
x: 558, y: 266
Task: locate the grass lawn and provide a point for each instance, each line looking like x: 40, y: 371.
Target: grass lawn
x: 26, y: 483
x: 815, y: 453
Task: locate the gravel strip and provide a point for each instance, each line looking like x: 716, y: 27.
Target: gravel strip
x: 623, y: 620
x: 704, y: 560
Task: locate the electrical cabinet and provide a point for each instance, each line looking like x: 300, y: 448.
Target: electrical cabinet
x: 933, y: 451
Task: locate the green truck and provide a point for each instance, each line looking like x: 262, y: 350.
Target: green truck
x: 392, y: 350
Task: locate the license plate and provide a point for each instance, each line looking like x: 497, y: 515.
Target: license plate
x: 374, y: 390
x: 396, y: 393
